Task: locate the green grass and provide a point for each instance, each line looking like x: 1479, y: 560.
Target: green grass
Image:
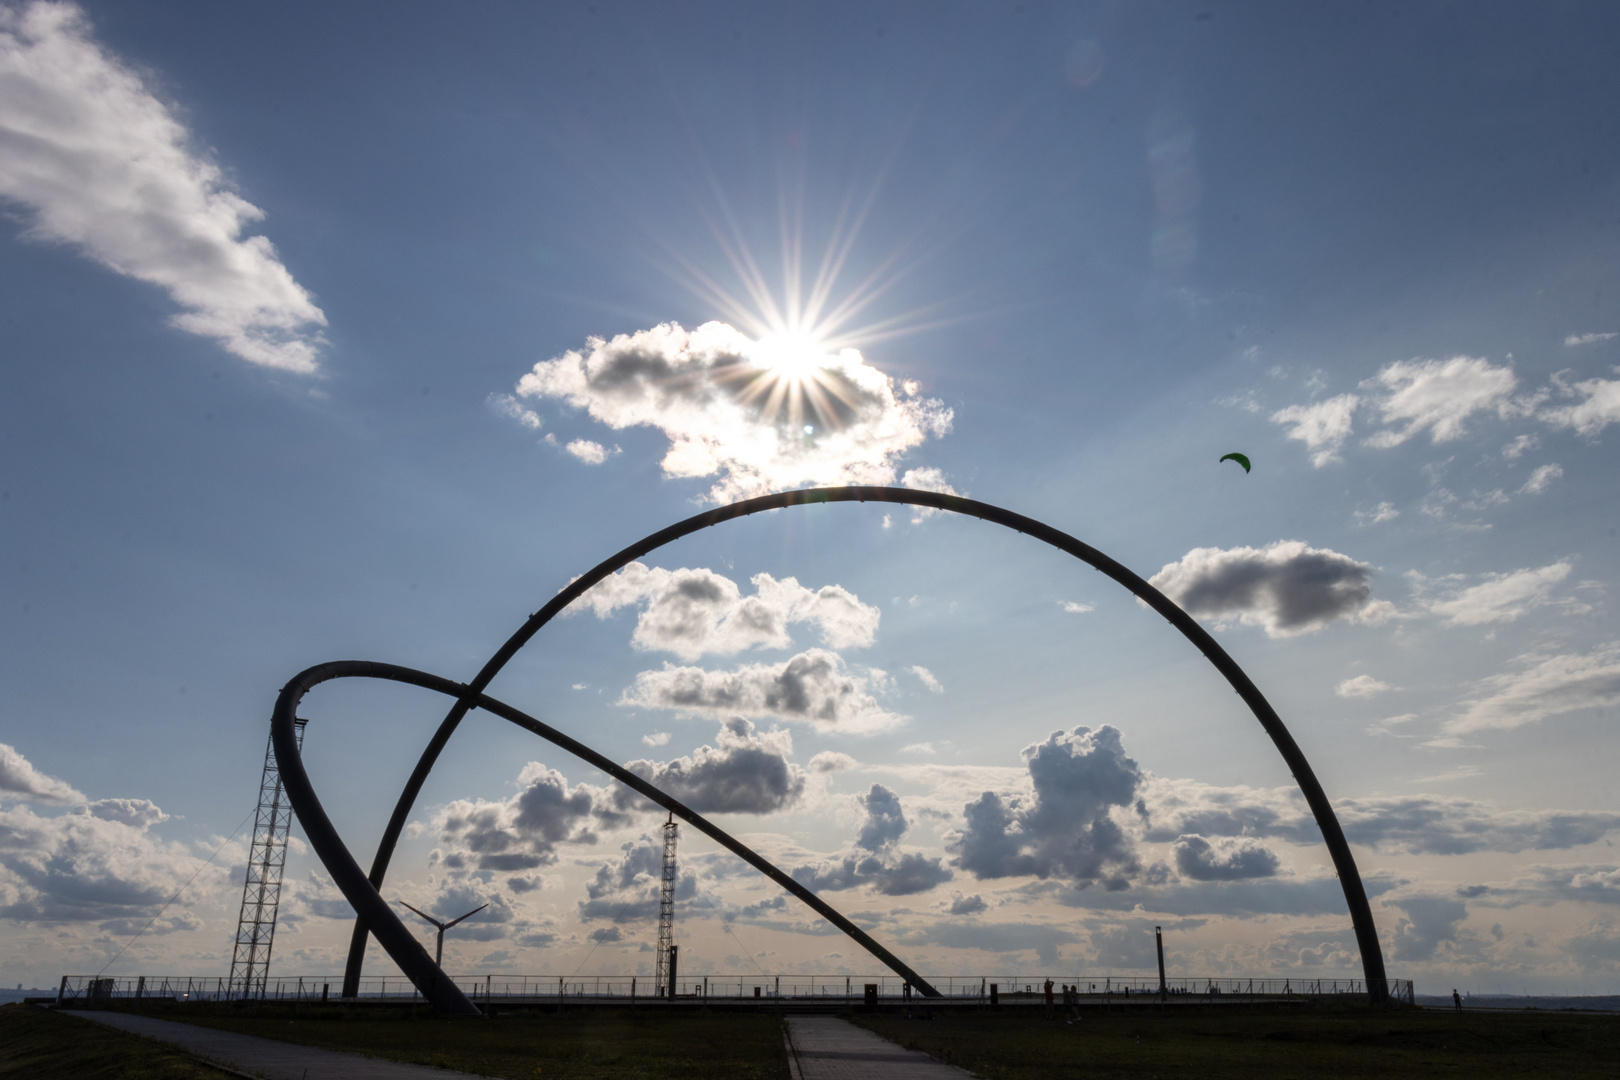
x: 1183, y: 1043
x: 37, y: 1043
x: 579, y: 1045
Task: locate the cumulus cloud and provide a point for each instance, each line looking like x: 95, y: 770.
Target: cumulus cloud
x: 136, y: 813
x: 744, y: 411
x: 1501, y: 598
x: 1600, y: 408
x: 1430, y: 922
x: 1541, y: 479
x: 1361, y: 686
x: 1587, y: 339
x: 80, y: 867
x: 20, y: 780
x: 1286, y: 587
x: 1322, y: 427
x: 1066, y: 827
x: 524, y: 831
x: 1225, y: 859
x: 591, y: 453
x: 510, y: 407
x: 100, y: 164
x: 626, y: 891
x: 657, y: 738
x: 690, y: 612
x: 1542, y: 687
x: 747, y: 773
x: 876, y: 859
x: 831, y: 761
x: 967, y: 905
x: 1438, y: 396
x: 812, y: 688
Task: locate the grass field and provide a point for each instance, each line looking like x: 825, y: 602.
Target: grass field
x: 1184, y: 1043
x: 39, y: 1044
x: 579, y: 1045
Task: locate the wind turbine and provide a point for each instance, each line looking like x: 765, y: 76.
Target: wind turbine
x: 438, y: 952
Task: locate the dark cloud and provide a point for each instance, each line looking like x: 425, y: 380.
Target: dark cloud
x: 1430, y: 921
x: 1409, y: 824
x: 523, y: 832
x: 812, y: 687
x: 1066, y: 829
x: 1224, y: 860
x: 604, y: 935
x: 747, y: 773
x: 968, y: 905
x: 1285, y: 587
x: 876, y: 860
x: 627, y: 891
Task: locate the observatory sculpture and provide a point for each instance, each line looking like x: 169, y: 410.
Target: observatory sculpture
x: 376, y: 917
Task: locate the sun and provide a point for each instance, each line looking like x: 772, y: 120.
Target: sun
x: 789, y: 356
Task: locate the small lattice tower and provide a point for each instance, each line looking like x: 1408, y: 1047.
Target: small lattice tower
x: 261, y: 892
x: 662, y: 975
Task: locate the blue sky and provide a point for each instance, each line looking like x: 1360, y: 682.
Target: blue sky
x: 327, y: 335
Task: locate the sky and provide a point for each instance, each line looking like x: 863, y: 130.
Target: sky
x: 358, y: 331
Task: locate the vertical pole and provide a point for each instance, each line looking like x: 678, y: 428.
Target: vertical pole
x: 674, y: 955
x: 1158, y: 939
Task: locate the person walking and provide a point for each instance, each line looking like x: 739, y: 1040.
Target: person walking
x: 1456, y: 999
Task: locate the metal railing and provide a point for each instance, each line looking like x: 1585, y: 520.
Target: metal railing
x: 590, y: 989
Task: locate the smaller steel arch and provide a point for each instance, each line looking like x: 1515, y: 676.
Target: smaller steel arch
x: 368, y: 903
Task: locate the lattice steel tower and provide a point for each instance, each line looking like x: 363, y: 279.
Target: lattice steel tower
x: 261, y: 892
x: 663, y: 973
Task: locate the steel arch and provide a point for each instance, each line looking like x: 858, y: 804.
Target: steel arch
x: 1355, y: 893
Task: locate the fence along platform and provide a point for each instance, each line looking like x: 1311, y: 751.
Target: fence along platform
x: 722, y: 989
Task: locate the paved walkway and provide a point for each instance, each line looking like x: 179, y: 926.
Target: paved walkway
x: 268, y: 1058
x: 826, y: 1048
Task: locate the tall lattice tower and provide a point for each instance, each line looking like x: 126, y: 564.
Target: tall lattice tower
x: 663, y: 976
x: 261, y: 892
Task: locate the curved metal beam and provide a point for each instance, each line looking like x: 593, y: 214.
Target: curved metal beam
x: 1355, y: 893
x: 323, y: 836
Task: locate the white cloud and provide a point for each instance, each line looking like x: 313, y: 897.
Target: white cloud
x: 690, y: 612
x: 591, y: 453
x: 20, y: 780
x: 1322, y: 427
x: 510, y: 407
x: 1541, y: 479
x: 1384, y: 511
x: 831, y: 761
x: 657, y: 738
x: 1587, y: 339
x: 919, y: 748
x: 83, y: 867
x: 1074, y: 608
x: 1543, y: 687
x: 1600, y: 409
x: 102, y: 165
x: 1438, y: 396
x: 1285, y: 587
x: 732, y: 409
x: 811, y: 688
x: 1361, y: 686
x: 1501, y: 597
x: 1520, y: 445
x: 926, y: 677
x: 926, y: 479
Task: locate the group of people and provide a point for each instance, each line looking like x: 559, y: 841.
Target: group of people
x: 1071, y: 1001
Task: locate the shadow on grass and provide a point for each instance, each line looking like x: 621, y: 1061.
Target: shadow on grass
x: 37, y: 1043
x: 576, y: 1045
x: 1188, y: 1042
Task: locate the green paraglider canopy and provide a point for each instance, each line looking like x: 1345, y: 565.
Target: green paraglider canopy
x: 1241, y: 459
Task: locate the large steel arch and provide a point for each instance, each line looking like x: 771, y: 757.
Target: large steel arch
x: 1355, y: 893
x: 400, y: 943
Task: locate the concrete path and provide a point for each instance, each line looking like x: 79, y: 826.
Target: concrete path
x: 827, y: 1048
x: 270, y: 1058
